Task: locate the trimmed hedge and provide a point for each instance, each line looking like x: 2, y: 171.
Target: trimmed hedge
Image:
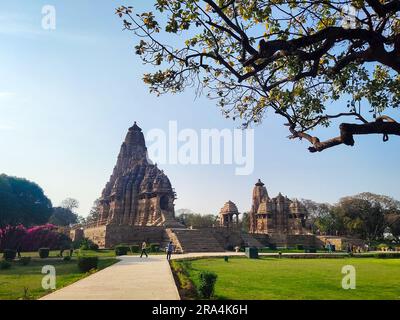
x: 87, y: 244
x: 85, y: 264
x: 44, y: 253
x: 25, y: 261
x: 387, y: 255
x: 4, y: 265
x: 121, y: 250
x: 207, y: 284
x: 135, y: 248
x: 154, y: 247
x: 9, y: 254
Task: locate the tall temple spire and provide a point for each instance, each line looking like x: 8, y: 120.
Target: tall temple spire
x: 138, y: 193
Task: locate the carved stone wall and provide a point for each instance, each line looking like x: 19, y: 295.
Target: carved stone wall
x: 138, y: 192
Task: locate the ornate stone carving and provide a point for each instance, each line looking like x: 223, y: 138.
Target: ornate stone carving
x: 138, y: 192
x: 278, y: 215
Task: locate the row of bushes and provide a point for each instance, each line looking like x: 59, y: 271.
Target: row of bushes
x: 85, y: 264
x: 122, y: 249
x: 85, y: 244
x: 10, y: 255
x: 6, y: 264
x: 379, y: 255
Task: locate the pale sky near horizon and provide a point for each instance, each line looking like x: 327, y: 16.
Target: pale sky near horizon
x: 68, y: 97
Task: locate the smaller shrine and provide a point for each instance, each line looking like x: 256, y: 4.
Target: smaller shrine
x: 229, y: 215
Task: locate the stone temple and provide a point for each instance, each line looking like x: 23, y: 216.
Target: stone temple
x: 137, y: 204
x: 138, y: 193
x: 276, y: 216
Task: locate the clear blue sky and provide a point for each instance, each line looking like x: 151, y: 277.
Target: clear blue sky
x: 67, y: 98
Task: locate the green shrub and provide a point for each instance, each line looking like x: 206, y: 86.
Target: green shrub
x: 121, y: 250
x: 9, y: 254
x: 4, y: 265
x: 67, y: 258
x: 154, y: 247
x: 87, y: 244
x: 85, y: 264
x: 207, y: 284
x: 44, y: 253
x: 387, y: 255
x: 25, y: 260
x: 272, y: 246
x: 135, y: 248
x: 226, y: 259
x: 299, y: 247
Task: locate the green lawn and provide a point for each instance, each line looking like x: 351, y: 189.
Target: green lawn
x: 14, y: 281
x: 299, y: 279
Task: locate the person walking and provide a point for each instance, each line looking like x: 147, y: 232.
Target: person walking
x: 170, y: 249
x: 144, y: 249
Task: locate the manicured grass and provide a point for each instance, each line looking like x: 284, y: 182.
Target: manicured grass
x: 299, y: 279
x: 14, y: 281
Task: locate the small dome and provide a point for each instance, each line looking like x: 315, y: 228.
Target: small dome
x: 259, y: 183
x: 229, y: 208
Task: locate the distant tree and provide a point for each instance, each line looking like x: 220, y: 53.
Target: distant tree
x: 363, y: 215
x: 391, y: 210
x: 197, y: 220
x: 245, y: 222
x: 94, y: 214
x: 70, y: 204
x: 320, y: 217
x: 310, y: 62
x: 22, y: 202
x: 393, y: 222
x: 63, y: 217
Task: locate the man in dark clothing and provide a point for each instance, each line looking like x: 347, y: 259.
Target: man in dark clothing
x: 170, y: 249
x: 144, y: 247
x: 19, y: 249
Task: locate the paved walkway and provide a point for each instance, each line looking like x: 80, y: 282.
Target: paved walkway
x: 132, y: 278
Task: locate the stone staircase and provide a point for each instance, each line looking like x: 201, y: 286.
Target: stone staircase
x: 194, y: 240
x: 250, y: 241
x: 168, y: 221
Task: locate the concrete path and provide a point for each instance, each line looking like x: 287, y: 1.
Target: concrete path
x: 132, y: 278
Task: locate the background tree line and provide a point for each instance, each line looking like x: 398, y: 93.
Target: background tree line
x: 23, y: 202
x: 366, y: 215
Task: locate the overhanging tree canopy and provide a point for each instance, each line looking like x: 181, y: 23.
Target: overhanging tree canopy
x: 294, y: 57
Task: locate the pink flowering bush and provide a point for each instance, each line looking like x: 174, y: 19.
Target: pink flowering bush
x: 33, y: 238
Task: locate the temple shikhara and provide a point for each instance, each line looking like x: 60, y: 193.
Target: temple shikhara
x: 276, y: 216
x: 138, y: 193
x: 137, y: 204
